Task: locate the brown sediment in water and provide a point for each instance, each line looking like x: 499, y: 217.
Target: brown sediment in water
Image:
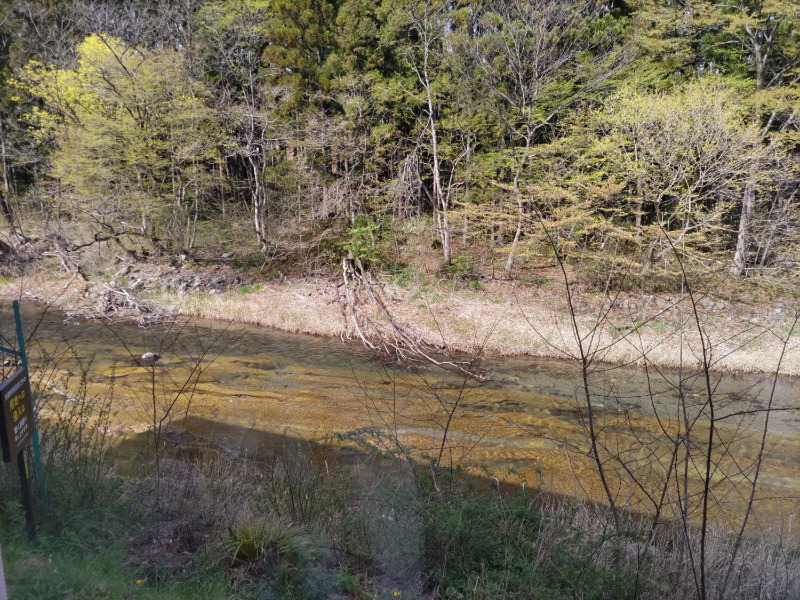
x: 267, y: 384
x: 516, y: 432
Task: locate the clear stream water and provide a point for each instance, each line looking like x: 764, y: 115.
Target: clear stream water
x: 521, y: 424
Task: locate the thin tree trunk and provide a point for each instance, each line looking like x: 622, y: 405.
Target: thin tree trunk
x: 740, y: 254
x: 520, y: 203
x: 258, y: 205
x: 5, y: 193
x: 440, y: 200
x: 518, y: 232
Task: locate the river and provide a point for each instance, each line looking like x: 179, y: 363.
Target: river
x: 525, y: 423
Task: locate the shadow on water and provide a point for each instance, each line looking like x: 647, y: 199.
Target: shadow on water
x: 263, y: 385
x: 200, y: 436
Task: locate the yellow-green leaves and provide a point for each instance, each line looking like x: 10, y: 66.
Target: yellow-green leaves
x: 130, y: 129
x: 687, y: 156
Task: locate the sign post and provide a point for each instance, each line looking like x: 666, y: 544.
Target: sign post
x: 16, y: 432
x: 18, y: 425
x: 23, y: 356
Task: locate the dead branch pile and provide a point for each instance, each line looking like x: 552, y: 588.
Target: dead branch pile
x: 112, y: 302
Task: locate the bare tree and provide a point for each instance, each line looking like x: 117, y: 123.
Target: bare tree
x: 175, y: 360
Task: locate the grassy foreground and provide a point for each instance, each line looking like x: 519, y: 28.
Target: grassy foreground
x: 341, y: 521
x: 217, y: 527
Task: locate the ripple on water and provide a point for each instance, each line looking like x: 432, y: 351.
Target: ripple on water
x: 267, y: 382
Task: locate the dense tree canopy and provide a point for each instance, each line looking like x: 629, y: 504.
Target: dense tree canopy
x: 319, y: 120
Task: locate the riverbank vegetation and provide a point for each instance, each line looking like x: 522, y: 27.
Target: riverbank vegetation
x: 423, y: 138
x: 395, y: 508
x: 601, y: 182
x: 170, y: 149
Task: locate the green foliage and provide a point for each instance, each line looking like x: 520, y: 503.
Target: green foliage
x: 301, y: 115
x: 480, y: 542
x: 301, y: 37
x: 59, y: 571
x: 283, y: 553
x: 463, y: 266
x: 130, y: 129
x: 358, y: 39
x: 723, y: 37
x: 364, y: 241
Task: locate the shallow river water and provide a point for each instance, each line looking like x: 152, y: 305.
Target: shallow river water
x: 524, y: 423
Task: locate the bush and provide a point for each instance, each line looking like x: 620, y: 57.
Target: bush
x: 481, y: 542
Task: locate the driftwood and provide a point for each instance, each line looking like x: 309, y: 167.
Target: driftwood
x: 113, y: 302
x: 360, y: 296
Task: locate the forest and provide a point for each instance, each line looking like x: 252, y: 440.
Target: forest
x: 301, y: 132
x: 611, y: 183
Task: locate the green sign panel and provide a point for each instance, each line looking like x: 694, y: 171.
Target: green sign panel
x: 16, y: 429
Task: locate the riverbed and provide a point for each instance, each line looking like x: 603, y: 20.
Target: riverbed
x: 528, y: 422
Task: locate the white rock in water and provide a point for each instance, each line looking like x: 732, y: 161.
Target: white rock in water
x: 149, y: 358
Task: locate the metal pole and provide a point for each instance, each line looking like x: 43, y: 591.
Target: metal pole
x: 27, y: 500
x: 37, y: 454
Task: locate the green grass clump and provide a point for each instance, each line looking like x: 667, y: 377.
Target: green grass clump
x: 486, y: 543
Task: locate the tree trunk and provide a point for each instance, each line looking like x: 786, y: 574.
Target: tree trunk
x: 517, y: 234
x: 257, y: 197
x: 740, y: 254
x: 439, y: 199
x: 520, y: 201
x: 739, y: 262
x: 5, y: 192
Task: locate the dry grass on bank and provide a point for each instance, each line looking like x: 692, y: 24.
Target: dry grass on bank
x: 508, y: 321
x: 505, y: 318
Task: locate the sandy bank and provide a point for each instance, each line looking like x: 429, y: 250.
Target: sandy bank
x: 503, y: 317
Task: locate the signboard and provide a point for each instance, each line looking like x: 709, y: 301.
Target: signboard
x: 16, y: 428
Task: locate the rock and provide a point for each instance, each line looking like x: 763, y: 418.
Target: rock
x: 227, y: 255
x: 662, y: 303
x: 149, y: 359
x: 706, y: 302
